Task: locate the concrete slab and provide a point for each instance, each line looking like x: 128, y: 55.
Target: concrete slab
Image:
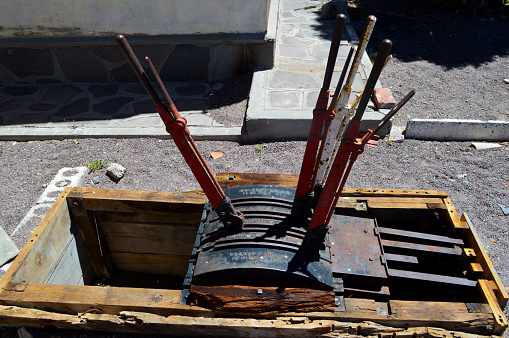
x: 457, y: 130
x: 8, y: 249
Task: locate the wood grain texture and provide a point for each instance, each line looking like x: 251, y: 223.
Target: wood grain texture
x: 247, y: 299
x: 149, y: 238
x: 93, y: 237
x: 74, y: 299
x: 481, y: 257
x: 174, y: 265
x: 74, y: 265
x: 42, y: 251
x: 454, y: 220
x: 290, y: 181
x: 147, y: 323
x: 140, y: 201
x: 489, y: 295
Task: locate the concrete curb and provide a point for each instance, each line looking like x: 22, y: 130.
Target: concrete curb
x: 66, y: 177
x: 33, y: 133
x: 266, y: 124
x: 457, y: 130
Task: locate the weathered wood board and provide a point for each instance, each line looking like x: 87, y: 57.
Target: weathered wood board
x: 90, y: 234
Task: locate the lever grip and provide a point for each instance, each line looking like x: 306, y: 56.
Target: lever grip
x: 333, y: 51
x: 138, y: 69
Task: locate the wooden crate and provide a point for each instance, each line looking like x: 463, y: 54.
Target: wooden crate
x: 115, y: 261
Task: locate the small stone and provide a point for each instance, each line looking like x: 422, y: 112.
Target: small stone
x: 96, y: 180
x: 115, y: 171
x: 218, y: 86
x: 461, y: 176
x: 506, y: 81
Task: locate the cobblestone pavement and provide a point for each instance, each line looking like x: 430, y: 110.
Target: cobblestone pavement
x: 120, y: 104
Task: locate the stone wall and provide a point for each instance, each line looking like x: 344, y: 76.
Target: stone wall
x: 102, y: 64
x: 48, y: 41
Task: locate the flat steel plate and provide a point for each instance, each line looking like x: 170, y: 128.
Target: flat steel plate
x: 355, y: 249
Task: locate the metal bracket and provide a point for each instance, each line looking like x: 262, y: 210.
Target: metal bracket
x: 18, y: 287
x: 232, y: 220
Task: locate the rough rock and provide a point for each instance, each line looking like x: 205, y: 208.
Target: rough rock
x: 115, y: 171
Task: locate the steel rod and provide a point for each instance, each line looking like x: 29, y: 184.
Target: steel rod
x: 333, y: 51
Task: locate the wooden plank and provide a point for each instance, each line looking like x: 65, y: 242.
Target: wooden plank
x: 191, y: 219
x: 149, y: 238
x: 147, y: 323
x: 73, y: 264
x: 43, y: 249
x: 401, y: 203
x: 93, y: 238
x: 175, y: 265
x: 229, y: 180
x: 453, y: 217
x: 468, y: 254
x: 481, y: 257
x: 140, y: 201
x: 142, y: 245
x: 171, y: 231
x: 249, y: 299
x: 433, y: 313
x: 76, y: 298
x: 475, y: 269
x: 491, y: 299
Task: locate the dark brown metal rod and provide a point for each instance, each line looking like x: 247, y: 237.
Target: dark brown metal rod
x: 138, y: 69
x: 333, y: 51
x: 422, y: 247
x: 432, y: 277
x: 383, y: 53
x: 393, y: 111
x: 160, y: 84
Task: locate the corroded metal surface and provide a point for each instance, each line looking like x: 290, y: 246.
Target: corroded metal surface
x: 268, y: 251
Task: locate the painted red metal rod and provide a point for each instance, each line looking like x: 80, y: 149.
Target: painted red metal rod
x: 320, y: 116
x: 332, y: 106
x: 325, y: 204
x: 177, y: 128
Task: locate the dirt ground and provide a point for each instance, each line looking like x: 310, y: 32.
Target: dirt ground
x: 456, y: 61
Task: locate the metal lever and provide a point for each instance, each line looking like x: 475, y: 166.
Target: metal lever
x: 321, y: 116
x: 176, y: 126
x: 326, y: 206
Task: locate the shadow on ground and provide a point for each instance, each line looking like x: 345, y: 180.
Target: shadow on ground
x: 439, y: 32
x: 78, y: 102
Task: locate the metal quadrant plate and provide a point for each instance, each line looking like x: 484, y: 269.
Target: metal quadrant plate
x: 355, y: 248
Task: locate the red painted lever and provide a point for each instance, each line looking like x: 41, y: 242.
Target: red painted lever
x: 176, y: 126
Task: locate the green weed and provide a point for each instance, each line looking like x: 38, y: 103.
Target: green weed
x: 96, y: 164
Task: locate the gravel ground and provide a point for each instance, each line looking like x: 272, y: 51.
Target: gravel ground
x: 457, y: 72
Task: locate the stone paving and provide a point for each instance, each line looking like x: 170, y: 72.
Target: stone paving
x: 288, y: 92
x: 108, y: 105
x: 280, y: 103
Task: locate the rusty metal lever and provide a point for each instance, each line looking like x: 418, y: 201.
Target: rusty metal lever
x: 176, y: 126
